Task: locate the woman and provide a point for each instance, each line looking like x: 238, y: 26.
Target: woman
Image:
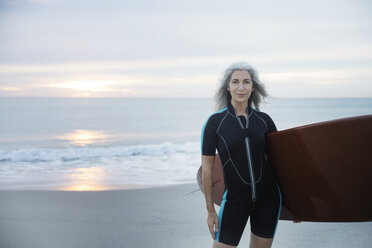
x: 238, y: 132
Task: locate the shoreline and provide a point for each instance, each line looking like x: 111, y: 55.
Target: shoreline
x: 102, y: 189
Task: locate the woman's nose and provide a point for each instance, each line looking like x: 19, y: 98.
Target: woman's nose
x: 241, y: 86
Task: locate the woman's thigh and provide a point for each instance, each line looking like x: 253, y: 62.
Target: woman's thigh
x: 232, y: 219
x: 221, y: 245
x: 259, y: 242
x: 264, y: 219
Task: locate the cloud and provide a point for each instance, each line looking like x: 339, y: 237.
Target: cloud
x: 77, y: 31
x: 23, y: 2
x: 321, y: 57
x: 91, y: 85
x: 159, y: 47
x: 43, y: 1
x: 10, y: 88
x: 320, y: 77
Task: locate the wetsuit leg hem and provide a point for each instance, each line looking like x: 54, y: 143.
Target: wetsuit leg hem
x: 227, y: 243
x: 263, y: 235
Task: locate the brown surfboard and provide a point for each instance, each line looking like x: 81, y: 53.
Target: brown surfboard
x: 218, y: 183
x: 324, y: 170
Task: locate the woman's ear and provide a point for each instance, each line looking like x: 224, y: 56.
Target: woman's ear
x: 228, y: 89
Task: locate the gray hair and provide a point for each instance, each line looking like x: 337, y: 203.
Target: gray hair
x: 223, y: 97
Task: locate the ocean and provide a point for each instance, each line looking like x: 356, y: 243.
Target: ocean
x: 116, y: 143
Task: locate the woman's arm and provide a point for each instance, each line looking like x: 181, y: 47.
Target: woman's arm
x: 207, y: 169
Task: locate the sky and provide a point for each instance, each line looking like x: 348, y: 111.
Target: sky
x: 169, y: 48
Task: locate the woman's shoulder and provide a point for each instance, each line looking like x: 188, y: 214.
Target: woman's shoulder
x: 217, y: 116
x: 262, y: 115
x: 266, y: 119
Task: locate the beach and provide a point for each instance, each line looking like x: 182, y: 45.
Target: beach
x: 79, y: 173
x: 107, y: 108
x: 148, y: 217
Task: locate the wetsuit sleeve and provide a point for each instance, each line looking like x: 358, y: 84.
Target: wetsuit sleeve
x: 270, y: 127
x: 209, y: 139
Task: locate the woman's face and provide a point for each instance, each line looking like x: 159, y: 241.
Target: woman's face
x: 240, y: 86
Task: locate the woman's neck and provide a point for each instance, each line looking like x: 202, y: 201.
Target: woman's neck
x: 240, y: 108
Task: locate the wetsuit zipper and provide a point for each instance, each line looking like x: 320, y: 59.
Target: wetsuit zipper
x: 247, y: 147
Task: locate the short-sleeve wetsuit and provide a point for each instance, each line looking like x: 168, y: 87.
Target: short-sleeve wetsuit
x: 241, y: 145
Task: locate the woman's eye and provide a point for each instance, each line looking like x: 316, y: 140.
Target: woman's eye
x: 246, y: 81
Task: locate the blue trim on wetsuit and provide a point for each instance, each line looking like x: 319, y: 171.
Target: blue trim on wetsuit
x: 280, y: 208
x: 220, y: 215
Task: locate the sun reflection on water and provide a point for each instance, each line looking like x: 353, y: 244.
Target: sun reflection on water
x: 95, y: 178
x: 86, y: 179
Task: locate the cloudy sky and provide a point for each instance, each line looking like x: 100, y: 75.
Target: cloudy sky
x: 170, y: 48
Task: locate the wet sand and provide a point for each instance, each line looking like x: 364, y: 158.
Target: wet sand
x: 153, y: 217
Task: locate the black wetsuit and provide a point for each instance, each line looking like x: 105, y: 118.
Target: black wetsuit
x: 241, y: 145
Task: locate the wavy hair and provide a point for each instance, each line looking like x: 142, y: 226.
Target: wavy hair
x: 223, y: 96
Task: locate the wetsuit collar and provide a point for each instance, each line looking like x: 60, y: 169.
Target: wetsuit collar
x: 231, y: 109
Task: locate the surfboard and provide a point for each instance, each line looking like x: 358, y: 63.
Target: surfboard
x: 218, y: 183
x: 324, y: 170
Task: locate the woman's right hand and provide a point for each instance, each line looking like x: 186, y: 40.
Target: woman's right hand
x: 213, y: 223
x: 207, y: 171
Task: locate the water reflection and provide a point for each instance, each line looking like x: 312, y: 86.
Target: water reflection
x: 86, y: 179
x: 81, y: 137
x: 94, y: 178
